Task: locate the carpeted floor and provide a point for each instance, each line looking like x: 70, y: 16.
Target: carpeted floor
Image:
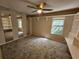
x: 35, y: 48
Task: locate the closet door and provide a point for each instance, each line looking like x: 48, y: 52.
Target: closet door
x: 7, y: 27
x: 2, y: 36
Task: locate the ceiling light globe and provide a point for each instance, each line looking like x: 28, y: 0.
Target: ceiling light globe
x: 39, y: 11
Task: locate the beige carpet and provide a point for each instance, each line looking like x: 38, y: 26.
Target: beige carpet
x: 35, y: 48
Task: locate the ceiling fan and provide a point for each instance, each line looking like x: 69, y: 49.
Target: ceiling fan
x: 39, y: 8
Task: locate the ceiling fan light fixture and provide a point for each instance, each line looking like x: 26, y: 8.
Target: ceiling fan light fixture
x: 39, y: 11
x: 39, y: 8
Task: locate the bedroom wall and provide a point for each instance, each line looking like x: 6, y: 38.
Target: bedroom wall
x: 68, y: 25
x: 29, y: 20
x: 0, y: 54
x: 42, y: 27
x: 25, y: 25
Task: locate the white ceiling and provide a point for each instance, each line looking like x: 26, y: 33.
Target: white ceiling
x: 56, y: 5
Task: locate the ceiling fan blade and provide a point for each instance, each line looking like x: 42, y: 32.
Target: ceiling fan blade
x: 29, y: 2
x: 31, y: 7
x: 34, y: 11
x: 47, y: 9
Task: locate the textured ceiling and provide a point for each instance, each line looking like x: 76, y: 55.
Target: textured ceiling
x: 56, y: 5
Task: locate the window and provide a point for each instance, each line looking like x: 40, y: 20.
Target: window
x: 57, y: 26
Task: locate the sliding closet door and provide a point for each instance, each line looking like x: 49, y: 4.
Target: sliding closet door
x: 7, y: 27
x: 2, y: 37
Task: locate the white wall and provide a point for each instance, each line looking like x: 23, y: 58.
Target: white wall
x: 68, y: 25
x: 1, y: 54
x: 41, y: 26
x: 25, y: 25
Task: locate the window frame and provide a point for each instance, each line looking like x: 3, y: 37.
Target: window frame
x: 57, y: 18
